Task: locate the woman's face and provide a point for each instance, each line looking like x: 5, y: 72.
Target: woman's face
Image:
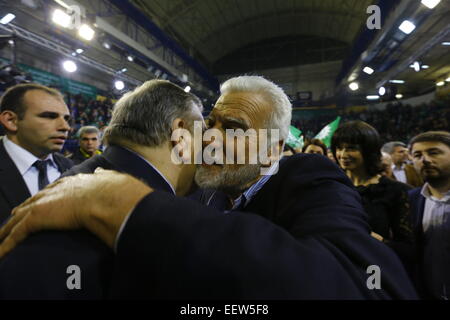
x: 312, y: 148
x: 349, y: 156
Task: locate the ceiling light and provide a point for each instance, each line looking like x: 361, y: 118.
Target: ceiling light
x: 397, y: 81
x: 368, y: 70
x: 448, y: 79
x: 119, y: 85
x: 106, y: 45
x: 61, y: 18
x: 440, y: 83
x: 373, y: 97
x: 11, y: 42
x: 187, y: 89
x: 416, y: 66
x: 407, y: 27
x: 130, y: 58
x: 123, y: 70
x: 353, y: 86
x: 382, y: 91
x: 86, y: 32
x: 7, y: 18
x: 398, y: 96
x: 446, y: 43
x: 79, y: 51
x: 69, y: 66
x: 430, y: 3
x: 74, y: 54
x: 425, y: 66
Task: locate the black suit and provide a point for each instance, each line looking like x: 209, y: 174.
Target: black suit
x: 36, y: 269
x: 13, y: 189
x: 176, y: 248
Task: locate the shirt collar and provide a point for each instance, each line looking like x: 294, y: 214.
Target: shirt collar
x: 394, y: 167
x: 425, y: 192
x: 23, y: 159
x: 243, y: 200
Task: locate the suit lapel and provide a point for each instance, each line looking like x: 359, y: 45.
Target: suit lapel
x: 12, y: 184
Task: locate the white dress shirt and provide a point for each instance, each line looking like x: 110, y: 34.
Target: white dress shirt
x: 24, y: 161
x: 436, y: 210
x: 399, y: 173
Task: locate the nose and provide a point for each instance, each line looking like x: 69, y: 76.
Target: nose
x: 63, y: 125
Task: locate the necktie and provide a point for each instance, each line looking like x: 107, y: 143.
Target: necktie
x: 42, y: 167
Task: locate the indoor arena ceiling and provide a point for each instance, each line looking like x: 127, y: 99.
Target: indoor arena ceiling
x: 231, y: 34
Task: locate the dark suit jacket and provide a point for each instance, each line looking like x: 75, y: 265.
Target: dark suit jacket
x: 13, y: 189
x: 303, y: 236
x: 37, y: 268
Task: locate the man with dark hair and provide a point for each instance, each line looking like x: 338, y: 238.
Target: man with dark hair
x: 401, y: 170
x: 35, y: 119
x: 89, y: 141
x: 430, y: 209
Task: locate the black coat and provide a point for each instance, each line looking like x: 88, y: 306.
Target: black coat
x: 303, y: 236
x: 13, y: 189
x: 37, y: 268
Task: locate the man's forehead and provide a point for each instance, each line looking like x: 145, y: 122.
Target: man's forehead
x: 250, y: 103
x: 425, y: 145
x: 40, y: 101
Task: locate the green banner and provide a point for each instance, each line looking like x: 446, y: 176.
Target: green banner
x: 294, y: 139
x: 327, y: 132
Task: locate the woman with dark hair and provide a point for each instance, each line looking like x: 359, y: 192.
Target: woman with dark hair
x: 356, y: 146
x: 315, y: 146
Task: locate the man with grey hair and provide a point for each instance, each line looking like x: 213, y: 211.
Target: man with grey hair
x: 89, y: 143
x: 297, y: 232
x: 401, y: 170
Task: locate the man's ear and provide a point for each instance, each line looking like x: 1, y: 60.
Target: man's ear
x: 9, y: 120
x: 275, y: 153
x: 178, y: 123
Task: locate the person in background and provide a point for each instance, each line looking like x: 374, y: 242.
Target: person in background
x: 357, y: 145
x: 430, y: 210
x: 402, y: 171
x: 35, y: 119
x: 315, y: 146
x: 386, y: 163
x: 89, y: 141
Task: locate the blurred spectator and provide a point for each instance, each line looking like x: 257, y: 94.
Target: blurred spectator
x: 401, y: 170
x: 315, y: 146
x: 89, y: 141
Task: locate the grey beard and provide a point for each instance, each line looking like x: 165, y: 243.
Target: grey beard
x: 228, y: 181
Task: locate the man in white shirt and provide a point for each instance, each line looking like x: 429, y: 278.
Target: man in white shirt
x: 402, y: 171
x: 430, y: 211
x: 35, y: 119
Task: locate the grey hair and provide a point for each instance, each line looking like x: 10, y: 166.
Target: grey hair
x: 390, y: 146
x: 88, y: 129
x: 282, y: 107
x: 145, y: 115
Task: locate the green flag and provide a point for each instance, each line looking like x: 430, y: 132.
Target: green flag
x: 294, y: 139
x: 327, y: 132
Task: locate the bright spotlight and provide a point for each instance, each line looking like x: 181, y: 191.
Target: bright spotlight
x: 382, y: 91
x: 425, y: 66
x: 61, y: 18
x: 373, y: 97
x: 446, y: 43
x: 416, y: 66
x: 107, y: 45
x: 353, y: 86
x: 187, y: 89
x: 440, y: 83
x: 398, y: 96
x: 448, y: 79
x: 119, y: 85
x: 7, y: 18
x: 430, y: 3
x: 11, y: 42
x: 397, y: 81
x: 86, y: 32
x: 123, y: 70
x: 407, y: 26
x: 69, y: 66
x: 79, y: 51
x: 368, y: 70
x: 130, y: 58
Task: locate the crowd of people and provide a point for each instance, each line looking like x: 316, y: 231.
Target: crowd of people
x: 397, y: 121
x: 144, y: 220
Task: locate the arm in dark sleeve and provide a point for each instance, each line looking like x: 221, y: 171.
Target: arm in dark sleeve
x: 175, y: 248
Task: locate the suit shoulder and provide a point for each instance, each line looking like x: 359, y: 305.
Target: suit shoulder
x: 89, y: 166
